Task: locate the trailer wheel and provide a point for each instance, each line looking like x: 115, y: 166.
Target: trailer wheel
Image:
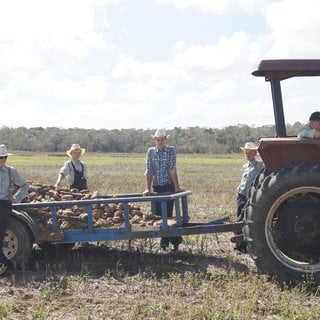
x: 282, y: 223
x: 18, y: 242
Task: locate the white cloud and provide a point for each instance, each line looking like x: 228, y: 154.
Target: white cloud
x: 214, y: 7
x: 149, y: 90
x: 295, y: 26
x: 33, y: 33
x: 131, y: 68
x: 208, y: 59
x: 73, y: 55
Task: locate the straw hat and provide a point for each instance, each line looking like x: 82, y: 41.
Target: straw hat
x: 3, y: 151
x: 160, y: 133
x: 75, y: 146
x: 249, y: 146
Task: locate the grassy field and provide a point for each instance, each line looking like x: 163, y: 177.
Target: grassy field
x: 206, y: 279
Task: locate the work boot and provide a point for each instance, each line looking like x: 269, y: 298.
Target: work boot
x: 164, y: 243
x: 5, y: 262
x: 5, y: 266
x: 241, y: 247
x: 176, y: 241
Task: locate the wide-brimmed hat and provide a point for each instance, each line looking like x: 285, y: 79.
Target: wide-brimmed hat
x: 249, y: 146
x: 75, y: 146
x: 3, y: 151
x: 160, y: 133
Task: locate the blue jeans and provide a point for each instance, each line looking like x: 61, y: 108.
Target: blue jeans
x: 167, y: 188
x: 5, y: 213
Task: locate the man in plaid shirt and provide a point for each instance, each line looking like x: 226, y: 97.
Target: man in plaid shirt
x: 161, y: 173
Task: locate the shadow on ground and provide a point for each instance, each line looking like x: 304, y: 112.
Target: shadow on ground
x: 95, y: 261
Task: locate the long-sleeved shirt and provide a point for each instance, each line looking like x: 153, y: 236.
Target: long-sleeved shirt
x: 9, y: 178
x: 68, y: 172
x: 250, y: 170
x: 307, y: 132
x: 160, y: 163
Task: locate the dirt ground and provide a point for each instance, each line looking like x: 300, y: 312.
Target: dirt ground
x: 91, y: 274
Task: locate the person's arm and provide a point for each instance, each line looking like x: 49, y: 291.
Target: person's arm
x: 148, y: 185
x: 174, y: 178
x: 308, y: 132
x: 23, y: 185
x: 149, y: 172
x: 57, y: 185
x: 63, y: 172
x: 173, y: 169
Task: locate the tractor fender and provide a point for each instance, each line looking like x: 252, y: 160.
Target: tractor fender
x: 28, y: 222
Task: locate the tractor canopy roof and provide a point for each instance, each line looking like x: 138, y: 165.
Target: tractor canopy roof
x: 287, y: 68
x: 277, y: 70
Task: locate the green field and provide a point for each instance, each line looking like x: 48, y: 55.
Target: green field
x: 135, y: 280
x: 212, y: 179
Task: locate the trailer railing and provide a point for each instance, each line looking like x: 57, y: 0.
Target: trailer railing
x: 127, y: 231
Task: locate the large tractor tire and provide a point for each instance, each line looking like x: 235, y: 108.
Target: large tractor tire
x: 282, y: 223
x: 18, y: 242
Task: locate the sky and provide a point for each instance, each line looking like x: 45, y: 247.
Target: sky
x: 145, y: 64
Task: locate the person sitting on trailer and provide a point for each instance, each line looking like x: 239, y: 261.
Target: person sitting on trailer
x: 312, y: 129
x: 13, y: 189
x: 250, y: 170
x: 161, y: 173
x: 74, y: 170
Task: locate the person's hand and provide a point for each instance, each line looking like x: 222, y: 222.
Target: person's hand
x: 146, y: 192
x: 178, y: 189
x: 57, y: 185
x: 317, y: 134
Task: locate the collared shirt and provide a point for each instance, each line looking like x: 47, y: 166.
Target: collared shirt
x: 160, y: 163
x: 307, y: 132
x: 7, y: 186
x: 68, y: 172
x: 250, y: 170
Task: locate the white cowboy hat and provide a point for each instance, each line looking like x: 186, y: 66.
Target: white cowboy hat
x: 249, y: 146
x: 159, y: 134
x: 3, y: 151
x: 75, y: 146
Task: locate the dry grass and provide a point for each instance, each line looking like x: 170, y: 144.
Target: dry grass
x: 135, y: 280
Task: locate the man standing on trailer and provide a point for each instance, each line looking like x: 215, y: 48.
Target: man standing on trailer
x: 13, y: 188
x: 161, y: 173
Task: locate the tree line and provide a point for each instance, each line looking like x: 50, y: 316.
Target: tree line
x: 186, y: 140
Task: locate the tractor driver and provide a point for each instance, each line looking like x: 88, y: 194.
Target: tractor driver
x: 312, y: 129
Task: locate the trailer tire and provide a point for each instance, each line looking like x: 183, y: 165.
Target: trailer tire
x: 18, y: 242
x: 282, y: 223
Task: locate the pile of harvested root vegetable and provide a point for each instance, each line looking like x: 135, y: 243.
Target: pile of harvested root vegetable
x: 76, y: 216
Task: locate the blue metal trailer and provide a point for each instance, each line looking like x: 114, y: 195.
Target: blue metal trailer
x: 23, y: 231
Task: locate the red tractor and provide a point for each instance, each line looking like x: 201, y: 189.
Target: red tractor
x: 282, y: 219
